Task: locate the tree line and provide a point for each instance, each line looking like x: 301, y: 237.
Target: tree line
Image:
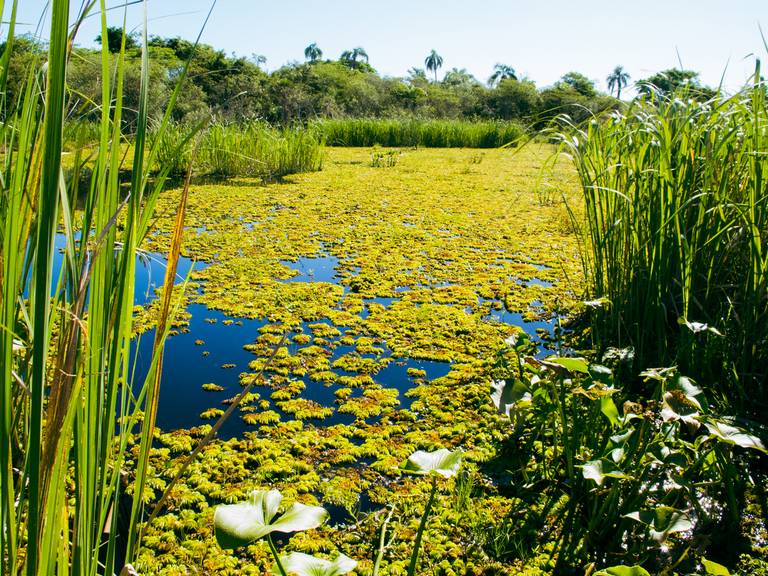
x: 235, y: 88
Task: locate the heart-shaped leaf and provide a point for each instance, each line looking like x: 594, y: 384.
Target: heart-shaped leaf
x: 677, y: 406
x: 599, y: 470
x: 733, y: 435
x: 443, y: 462
x: 306, y: 565
x: 505, y: 394
x: 623, y: 571
x: 663, y: 521
x: 240, y: 524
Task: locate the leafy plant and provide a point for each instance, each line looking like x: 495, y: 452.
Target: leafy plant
x: 651, y: 465
x: 241, y: 524
x: 443, y: 463
x: 306, y: 565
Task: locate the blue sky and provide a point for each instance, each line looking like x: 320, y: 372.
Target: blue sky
x: 541, y: 40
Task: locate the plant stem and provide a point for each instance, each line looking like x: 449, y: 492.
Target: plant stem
x: 382, y: 543
x: 276, y: 556
x: 420, y: 533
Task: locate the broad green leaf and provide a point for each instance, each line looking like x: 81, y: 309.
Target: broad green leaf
x: 677, y: 406
x: 609, y: 410
x: 306, y: 565
x: 687, y: 386
x: 663, y: 521
x: 617, y: 455
x: 714, y: 569
x: 240, y: 524
x: 599, y: 470
x: 505, y: 394
x: 623, y: 571
x: 443, y: 462
x: 571, y: 364
x: 733, y: 435
x: 621, y: 438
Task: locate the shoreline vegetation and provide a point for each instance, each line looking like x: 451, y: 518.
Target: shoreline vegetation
x: 480, y: 328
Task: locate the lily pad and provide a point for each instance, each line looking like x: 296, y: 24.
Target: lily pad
x: 240, y: 524
x: 442, y: 462
x: 306, y: 565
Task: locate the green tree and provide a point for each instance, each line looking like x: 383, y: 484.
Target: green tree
x: 456, y: 77
x: 502, y: 72
x: 357, y: 58
x: 312, y: 52
x: 513, y: 99
x: 617, y: 80
x: 433, y: 62
x: 668, y: 82
x: 579, y: 83
x: 115, y: 39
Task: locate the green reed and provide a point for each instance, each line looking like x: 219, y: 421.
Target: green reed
x: 426, y: 133
x: 674, y: 235
x: 252, y: 149
x: 68, y: 406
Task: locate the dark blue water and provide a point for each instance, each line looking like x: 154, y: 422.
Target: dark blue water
x: 188, y: 364
x: 150, y: 270
x: 316, y: 269
x: 186, y: 368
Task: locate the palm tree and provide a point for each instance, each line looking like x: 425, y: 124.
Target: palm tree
x: 433, y: 62
x: 617, y: 79
x: 354, y: 57
x: 313, y: 52
x: 258, y: 59
x: 502, y: 72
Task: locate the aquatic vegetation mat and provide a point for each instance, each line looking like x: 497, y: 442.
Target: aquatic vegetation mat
x: 389, y: 294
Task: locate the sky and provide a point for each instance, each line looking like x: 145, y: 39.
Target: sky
x: 541, y: 40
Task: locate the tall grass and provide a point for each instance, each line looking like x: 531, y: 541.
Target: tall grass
x: 68, y: 408
x: 427, y: 133
x: 252, y: 149
x: 676, y: 235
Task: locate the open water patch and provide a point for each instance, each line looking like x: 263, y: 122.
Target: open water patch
x: 313, y: 269
x: 149, y: 270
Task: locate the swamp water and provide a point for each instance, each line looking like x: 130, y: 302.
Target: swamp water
x: 212, y: 349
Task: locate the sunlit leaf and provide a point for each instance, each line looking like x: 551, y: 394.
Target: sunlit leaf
x: 663, y: 521
x: 687, y: 386
x: 609, y: 410
x: 599, y: 470
x: 571, y: 364
x: 623, y: 571
x: 443, y: 462
x: 599, y: 303
x: 677, y: 406
x: 505, y: 394
x: 240, y: 524
x: 714, y: 569
x: 600, y: 373
x: 698, y: 327
x: 619, y: 355
x: 733, y: 435
x: 306, y: 565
